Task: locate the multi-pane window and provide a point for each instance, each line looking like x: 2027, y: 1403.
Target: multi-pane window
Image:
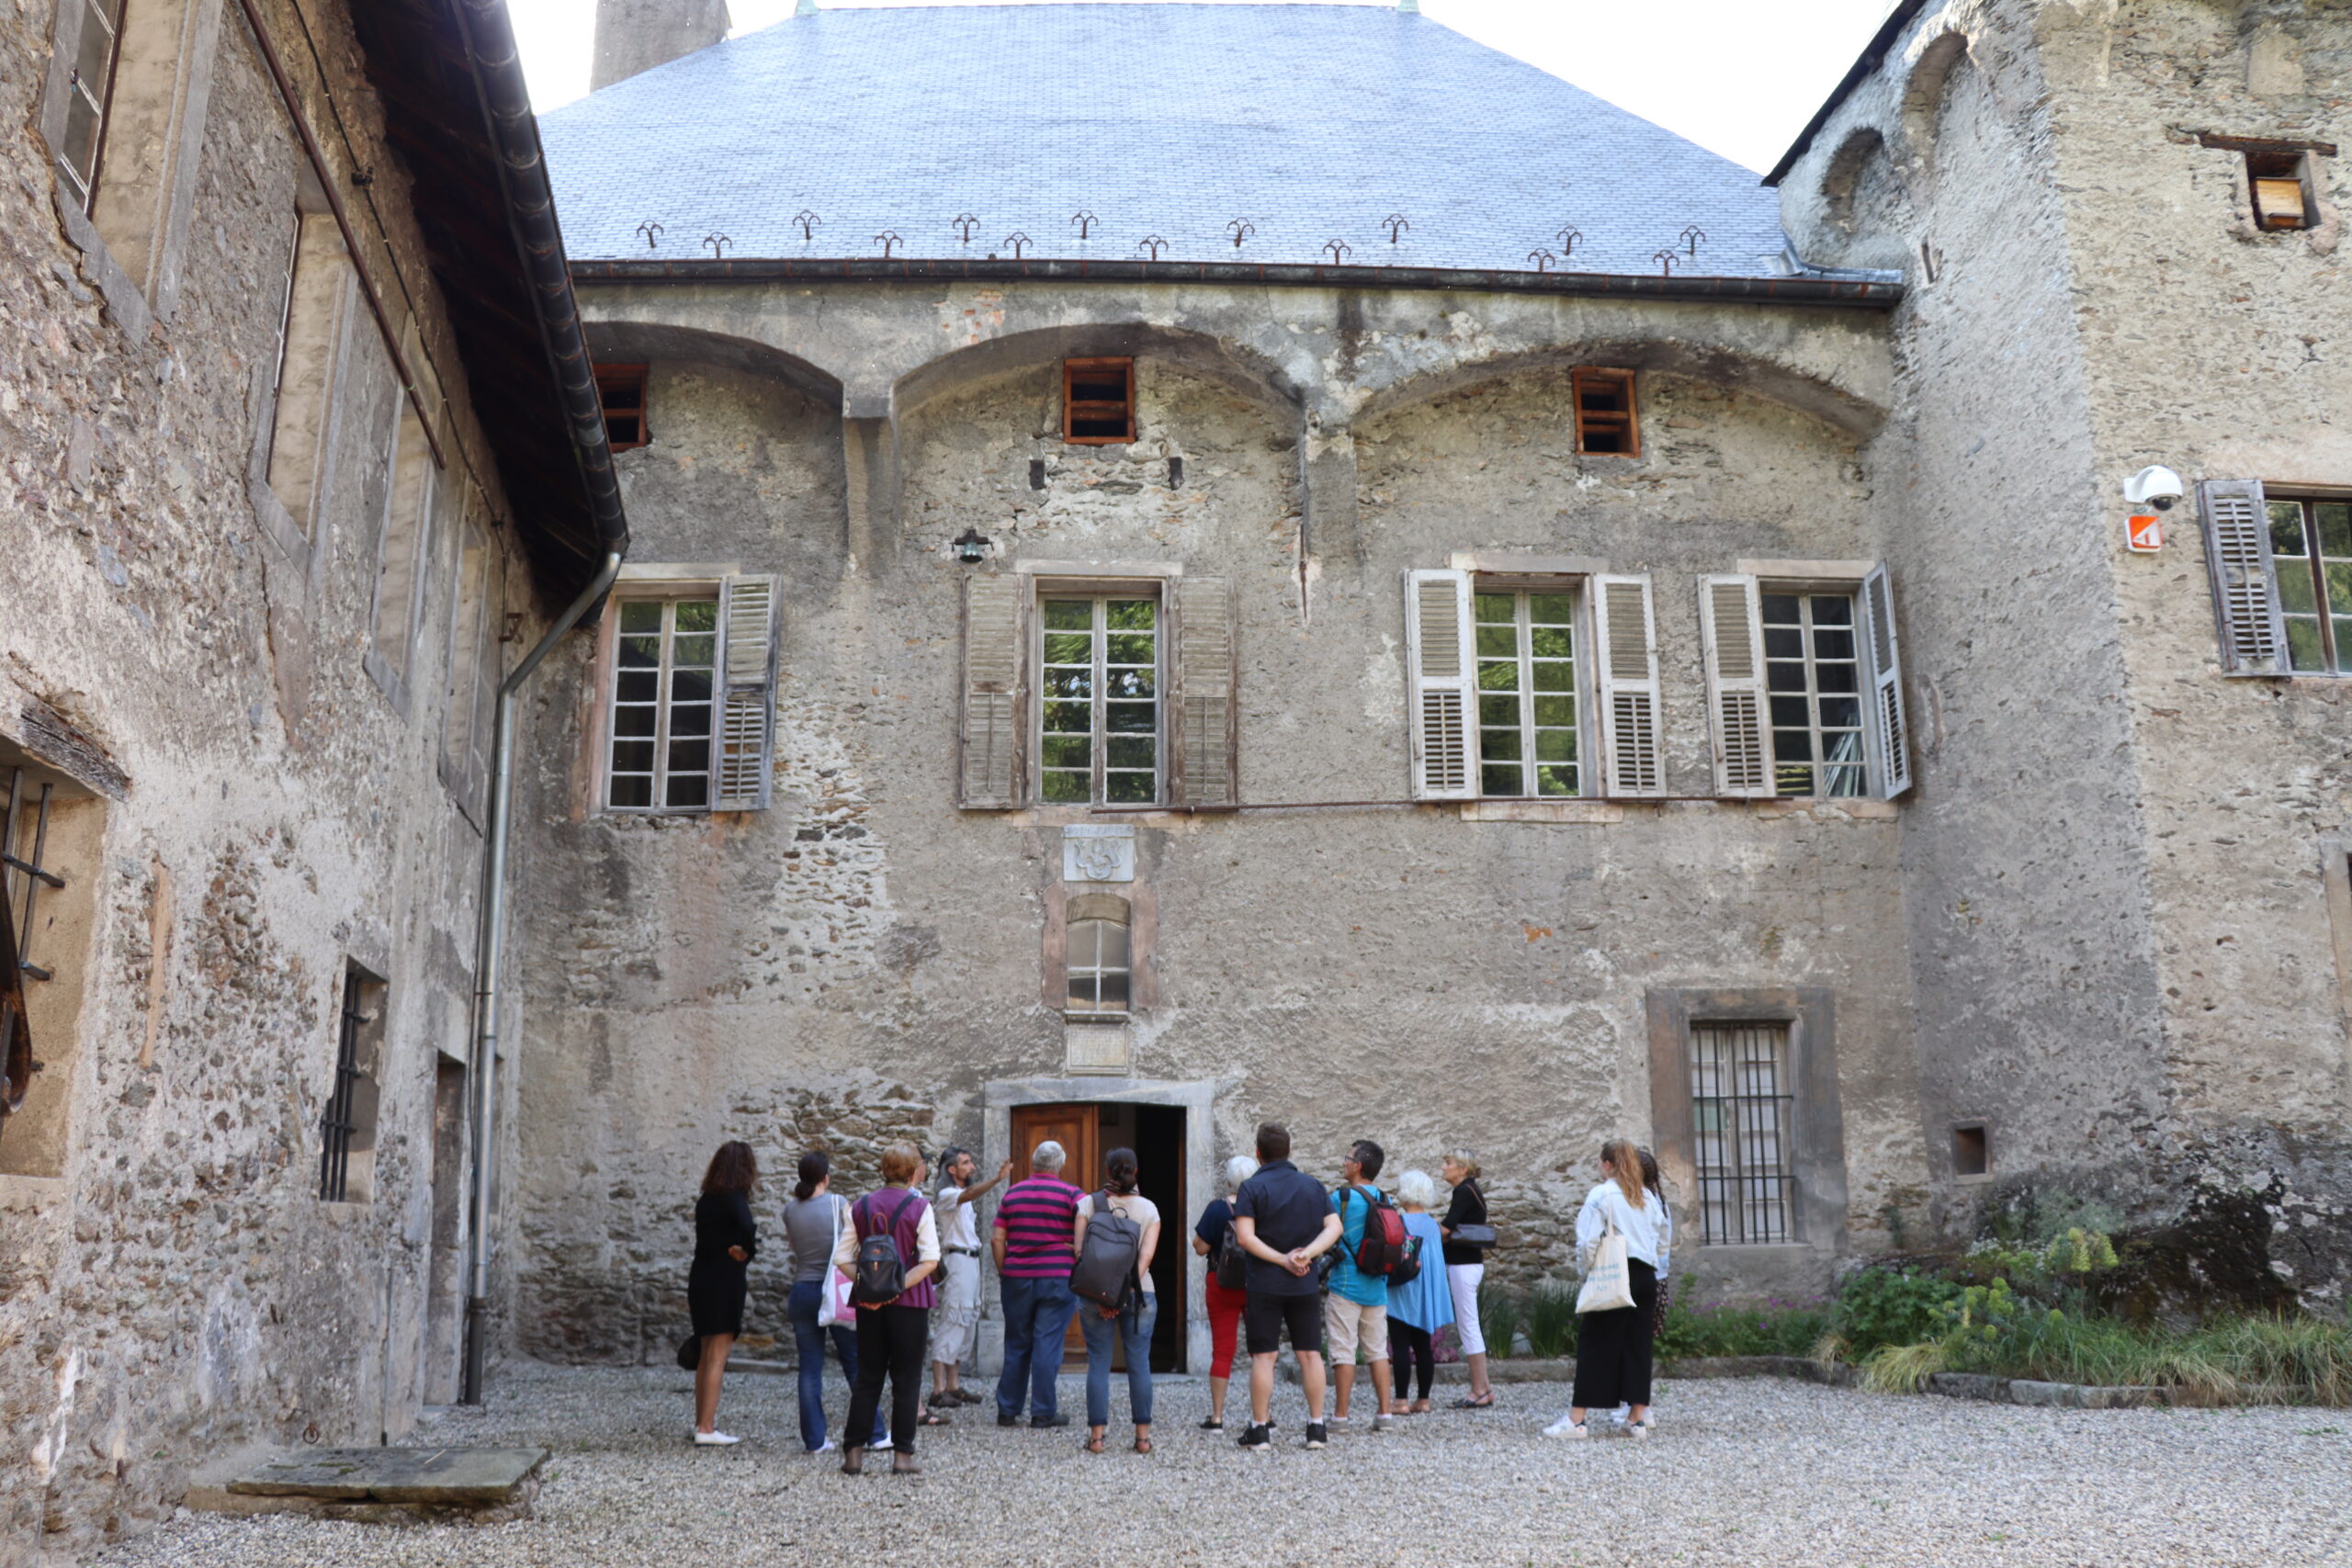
x: 665, y: 665
x: 89, y: 96
x: 1098, y: 966
x: 2311, y: 545
x: 1814, y: 679
x: 1527, y: 694
x: 1099, y: 709
x: 1743, y: 1113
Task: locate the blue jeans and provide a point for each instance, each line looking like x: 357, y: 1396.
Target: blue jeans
x: 808, y: 1341
x: 1037, y: 1318
x: 1133, y: 1329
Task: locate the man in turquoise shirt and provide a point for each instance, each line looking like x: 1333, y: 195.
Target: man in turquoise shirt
x: 1356, y: 1311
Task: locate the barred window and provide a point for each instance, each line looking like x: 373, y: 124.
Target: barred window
x: 1742, y: 1115
x: 90, y: 99
x: 663, y: 685
x: 24, y: 844
x: 348, y: 1127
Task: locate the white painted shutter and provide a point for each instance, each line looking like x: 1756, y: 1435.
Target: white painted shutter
x: 745, y: 766
x: 1444, y: 688
x: 1731, y: 620
x: 1626, y: 633
x: 2245, y: 579
x: 1205, y: 745
x: 1885, y: 654
x: 990, y: 737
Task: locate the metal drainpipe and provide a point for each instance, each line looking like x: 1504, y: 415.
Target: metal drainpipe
x: 489, y: 948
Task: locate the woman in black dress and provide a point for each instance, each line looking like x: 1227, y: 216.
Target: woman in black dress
x: 726, y: 1241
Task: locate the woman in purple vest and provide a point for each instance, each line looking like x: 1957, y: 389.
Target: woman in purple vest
x: 892, y: 1335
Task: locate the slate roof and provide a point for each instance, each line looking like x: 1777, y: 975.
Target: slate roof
x: 1310, y: 122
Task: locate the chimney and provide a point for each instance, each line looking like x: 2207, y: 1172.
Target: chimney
x: 637, y: 35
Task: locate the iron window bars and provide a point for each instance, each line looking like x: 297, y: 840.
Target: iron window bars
x: 90, y: 100
x: 338, y: 1124
x: 1744, y: 1118
x: 17, y: 899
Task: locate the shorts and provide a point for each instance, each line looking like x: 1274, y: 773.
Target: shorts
x: 1345, y: 1322
x: 1266, y: 1317
x: 958, y: 1312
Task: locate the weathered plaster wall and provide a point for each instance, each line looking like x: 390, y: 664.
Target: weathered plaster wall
x: 171, y: 1288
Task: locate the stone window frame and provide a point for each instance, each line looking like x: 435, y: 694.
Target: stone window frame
x: 2335, y: 888
x: 1523, y: 583
x: 299, y: 390
x: 477, y: 568
x: 1143, y: 937
x: 1809, y: 1014
x: 1097, y: 593
x: 409, y: 527
x: 1982, y: 1126
x: 1078, y: 367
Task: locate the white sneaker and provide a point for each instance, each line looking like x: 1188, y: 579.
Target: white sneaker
x: 1566, y: 1427
x: 1338, y: 1420
x: 827, y: 1447
x: 1383, y: 1423
x: 715, y: 1440
x: 1645, y: 1427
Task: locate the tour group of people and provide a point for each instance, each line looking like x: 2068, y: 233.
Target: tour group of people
x: 893, y: 1278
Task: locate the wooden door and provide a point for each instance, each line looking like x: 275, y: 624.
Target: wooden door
x: 1078, y: 1129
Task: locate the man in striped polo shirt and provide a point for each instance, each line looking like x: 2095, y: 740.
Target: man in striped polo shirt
x: 1036, y: 1222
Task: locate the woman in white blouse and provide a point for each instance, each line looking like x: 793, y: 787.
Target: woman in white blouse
x: 1613, y: 1347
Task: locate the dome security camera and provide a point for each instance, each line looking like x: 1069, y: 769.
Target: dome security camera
x: 2155, y: 486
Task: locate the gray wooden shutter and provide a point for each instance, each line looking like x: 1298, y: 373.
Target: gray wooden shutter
x: 1204, y: 744
x: 1885, y: 654
x: 2245, y: 579
x: 1444, y: 684
x: 1731, y: 621
x: 990, y: 738
x: 1626, y: 633
x: 741, y: 776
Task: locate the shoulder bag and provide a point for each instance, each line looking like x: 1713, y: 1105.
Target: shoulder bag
x: 1609, y: 1285
x: 833, y: 1306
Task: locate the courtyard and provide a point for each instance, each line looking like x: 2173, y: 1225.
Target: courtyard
x: 1755, y: 1470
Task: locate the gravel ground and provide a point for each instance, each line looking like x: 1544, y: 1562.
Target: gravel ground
x: 1755, y: 1470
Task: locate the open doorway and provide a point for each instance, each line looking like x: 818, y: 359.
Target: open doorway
x: 1088, y: 1132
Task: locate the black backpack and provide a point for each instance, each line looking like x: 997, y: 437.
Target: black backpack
x: 881, y: 1273
x: 1105, y: 1270
x: 1232, y: 1264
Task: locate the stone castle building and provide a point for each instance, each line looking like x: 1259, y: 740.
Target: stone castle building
x: 1191, y: 564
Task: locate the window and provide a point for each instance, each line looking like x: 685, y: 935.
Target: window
x: 2280, y: 185
x: 347, y: 1128
x: 1098, y: 957
x: 400, y: 558
x: 621, y: 389
x: 1742, y: 1116
x: 1529, y: 737
x: 296, y: 442
x: 474, y: 665
x: 90, y: 98
x: 24, y: 844
x: 1098, y: 402
x: 1606, y: 422
x: 2311, y: 545
x: 1097, y: 737
x: 1972, y: 1151
x: 1813, y: 680
x: 664, y: 687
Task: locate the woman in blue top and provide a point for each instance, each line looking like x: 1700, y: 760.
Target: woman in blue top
x: 1417, y: 1310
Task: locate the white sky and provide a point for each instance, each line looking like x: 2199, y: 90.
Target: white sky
x: 1740, y: 77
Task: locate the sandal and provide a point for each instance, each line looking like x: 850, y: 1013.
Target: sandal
x: 1486, y: 1404
x: 931, y: 1418
x: 1095, y: 1444
x: 1143, y: 1445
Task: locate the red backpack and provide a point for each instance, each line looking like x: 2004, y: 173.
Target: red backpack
x: 1384, y: 1249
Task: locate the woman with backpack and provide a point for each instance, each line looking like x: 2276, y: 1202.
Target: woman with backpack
x: 889, y: 1251
x: 1613, y: 1346
x: 1213, y: 1238
x: 1127, y: 1324
x: 725, y: 1240
x: 1423, y: 1304
x: 814, y: 1221
x: 1467, y: 1234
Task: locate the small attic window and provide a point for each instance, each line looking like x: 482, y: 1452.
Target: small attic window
x: 621, y: 389
x: 1098, y: 402
x: 2282, y: 187
x: 1606, y: 422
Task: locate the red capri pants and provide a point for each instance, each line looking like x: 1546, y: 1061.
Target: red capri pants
x: 1225, y: 1326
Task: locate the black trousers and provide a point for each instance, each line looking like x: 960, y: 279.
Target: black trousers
x: 1613, y: 1347
x: 1415, y: 1357
x: 890, y: 1342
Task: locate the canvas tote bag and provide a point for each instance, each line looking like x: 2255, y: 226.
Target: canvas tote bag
x: 836, y: 1306
x: 1607, y: 1285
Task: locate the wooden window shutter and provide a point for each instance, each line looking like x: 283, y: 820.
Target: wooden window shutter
x: 2245, y: 579
x: 1206, y: 760
x: 1885, y: 651
x: 1732, y: 624
x: 990, y: 736
x: 745, y: 768
x: 1625, y: 632
x: 1444, y: 684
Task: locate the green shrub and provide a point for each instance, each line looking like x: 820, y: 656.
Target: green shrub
x: 1879, y: 1307
x: 1501, y: 1311
x: 1772, y: 1329
x: 1552, y: 1319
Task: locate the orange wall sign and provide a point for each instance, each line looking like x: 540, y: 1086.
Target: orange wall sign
x: 2145, y: 533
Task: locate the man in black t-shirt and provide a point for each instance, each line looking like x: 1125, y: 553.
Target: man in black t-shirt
x: 1284, y: 1221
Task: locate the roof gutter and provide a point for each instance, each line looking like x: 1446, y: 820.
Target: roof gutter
x: 489, y: 36
x: 1800, y: 290
x: 1881, y: 44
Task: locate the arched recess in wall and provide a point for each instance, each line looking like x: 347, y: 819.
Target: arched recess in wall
x: 1923, y: 93
x: 612, y: 343
x: 1843, y: 176
x: 1842, y: 408
x: 1219, y: 360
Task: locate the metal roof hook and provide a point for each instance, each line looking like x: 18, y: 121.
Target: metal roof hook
x: 1666, y: 260
x: 718, y: 244
x: 887, y: 239
x: 810, y: 224
x: 964, y: 223
x: 1240, y: 229
x: 1691, y: 238
x: 1016, y: 239
x: 1340, y: 250
x: 1084, y: 222
x: 1569, y: 236
x: 1395, y: 223
x: 1542, y: 258
x: 652, y: 232
x: 1152, y: 242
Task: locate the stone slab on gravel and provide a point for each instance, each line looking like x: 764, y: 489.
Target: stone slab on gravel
x: 1741, y: 1472
x: 439, y: 1474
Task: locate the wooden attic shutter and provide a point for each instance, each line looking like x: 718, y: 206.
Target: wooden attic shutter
x: 1443, y: 683
x: 1626, y: 635
x: 2245, y: 579
x: 745, y: 766
x: 987, y: 776
x: 1207, y: 766
x: 1885, y: 654
x: 1731, y: 621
